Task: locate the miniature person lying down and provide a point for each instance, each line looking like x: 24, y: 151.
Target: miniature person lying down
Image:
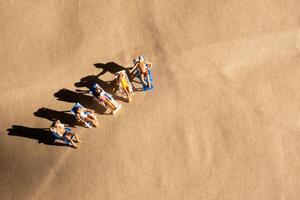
x: 60, y: 130
x: 103, y: 98
x: 85, y: 115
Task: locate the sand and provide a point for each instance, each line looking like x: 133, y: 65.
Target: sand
x: 221, y: 123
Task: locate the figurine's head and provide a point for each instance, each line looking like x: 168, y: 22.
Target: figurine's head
x: 97, y: 90
x: 78, y: 109
x: 141, y: 59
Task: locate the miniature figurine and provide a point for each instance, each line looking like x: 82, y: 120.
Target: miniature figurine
x: 124, y: 84
x: 143, y: 72
x: 85, y: 116
x: 105, y: 98
x: 58, y: 131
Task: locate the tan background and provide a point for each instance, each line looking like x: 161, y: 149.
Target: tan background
x: 222, y: 122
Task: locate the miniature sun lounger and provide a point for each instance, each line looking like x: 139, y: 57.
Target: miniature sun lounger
x: 138, y: 74
x: 107, y: 96
x: 74, y: 111
x: 56, y: 136
x: 121, y: 89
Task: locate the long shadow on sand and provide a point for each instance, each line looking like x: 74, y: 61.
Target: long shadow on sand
x: 111, y: 67
x: 85, y: 100
x: 52, y: 115
x: 89, y: 81
x: 42, y: 135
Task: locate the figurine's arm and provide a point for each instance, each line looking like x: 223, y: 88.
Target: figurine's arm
x: 135, y: 67
x: 79, y: 118
x: 52, y: 128
x: 150, y: 64
x: 118, y: 81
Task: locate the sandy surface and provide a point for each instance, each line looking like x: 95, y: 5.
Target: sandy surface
x: 222, y: 122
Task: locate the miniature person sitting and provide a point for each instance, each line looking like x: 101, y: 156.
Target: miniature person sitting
x: 86, y: 116
x: 65, y: 134
x: 142, y: 66
x: 124, y: 84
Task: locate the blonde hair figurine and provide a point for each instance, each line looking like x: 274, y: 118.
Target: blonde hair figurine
x: 124, y: 84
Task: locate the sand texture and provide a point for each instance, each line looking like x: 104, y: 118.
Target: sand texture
x: 223, y: 121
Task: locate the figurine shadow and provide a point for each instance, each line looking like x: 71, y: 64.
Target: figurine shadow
x: 112, y: 68
x: 89, y: 81
x: 54, y: 115
x: 42, y: 135
x: 86, y: 101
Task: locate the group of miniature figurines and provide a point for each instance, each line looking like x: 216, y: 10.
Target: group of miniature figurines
x: 87, y: 117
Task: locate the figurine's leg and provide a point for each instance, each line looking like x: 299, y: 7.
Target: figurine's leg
x: 92, y: 119
x: 74, y: 145
x: 148, y: 79
x: 77, y: 138
x: 143, y: 79
x: 111, y: 105
x: 88, y: 120
x: 69, y: 136
x: 92, y: 116
x: 127, y: 90
x: 96, y: 123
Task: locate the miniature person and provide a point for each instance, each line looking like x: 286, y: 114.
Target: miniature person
x: 122, y: 81
x: 142, y: 66
x: 104, y: 99
x: 65, y: 134
x: 85, y: 115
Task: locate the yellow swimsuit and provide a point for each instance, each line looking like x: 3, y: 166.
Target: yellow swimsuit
x: 124, y: 83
